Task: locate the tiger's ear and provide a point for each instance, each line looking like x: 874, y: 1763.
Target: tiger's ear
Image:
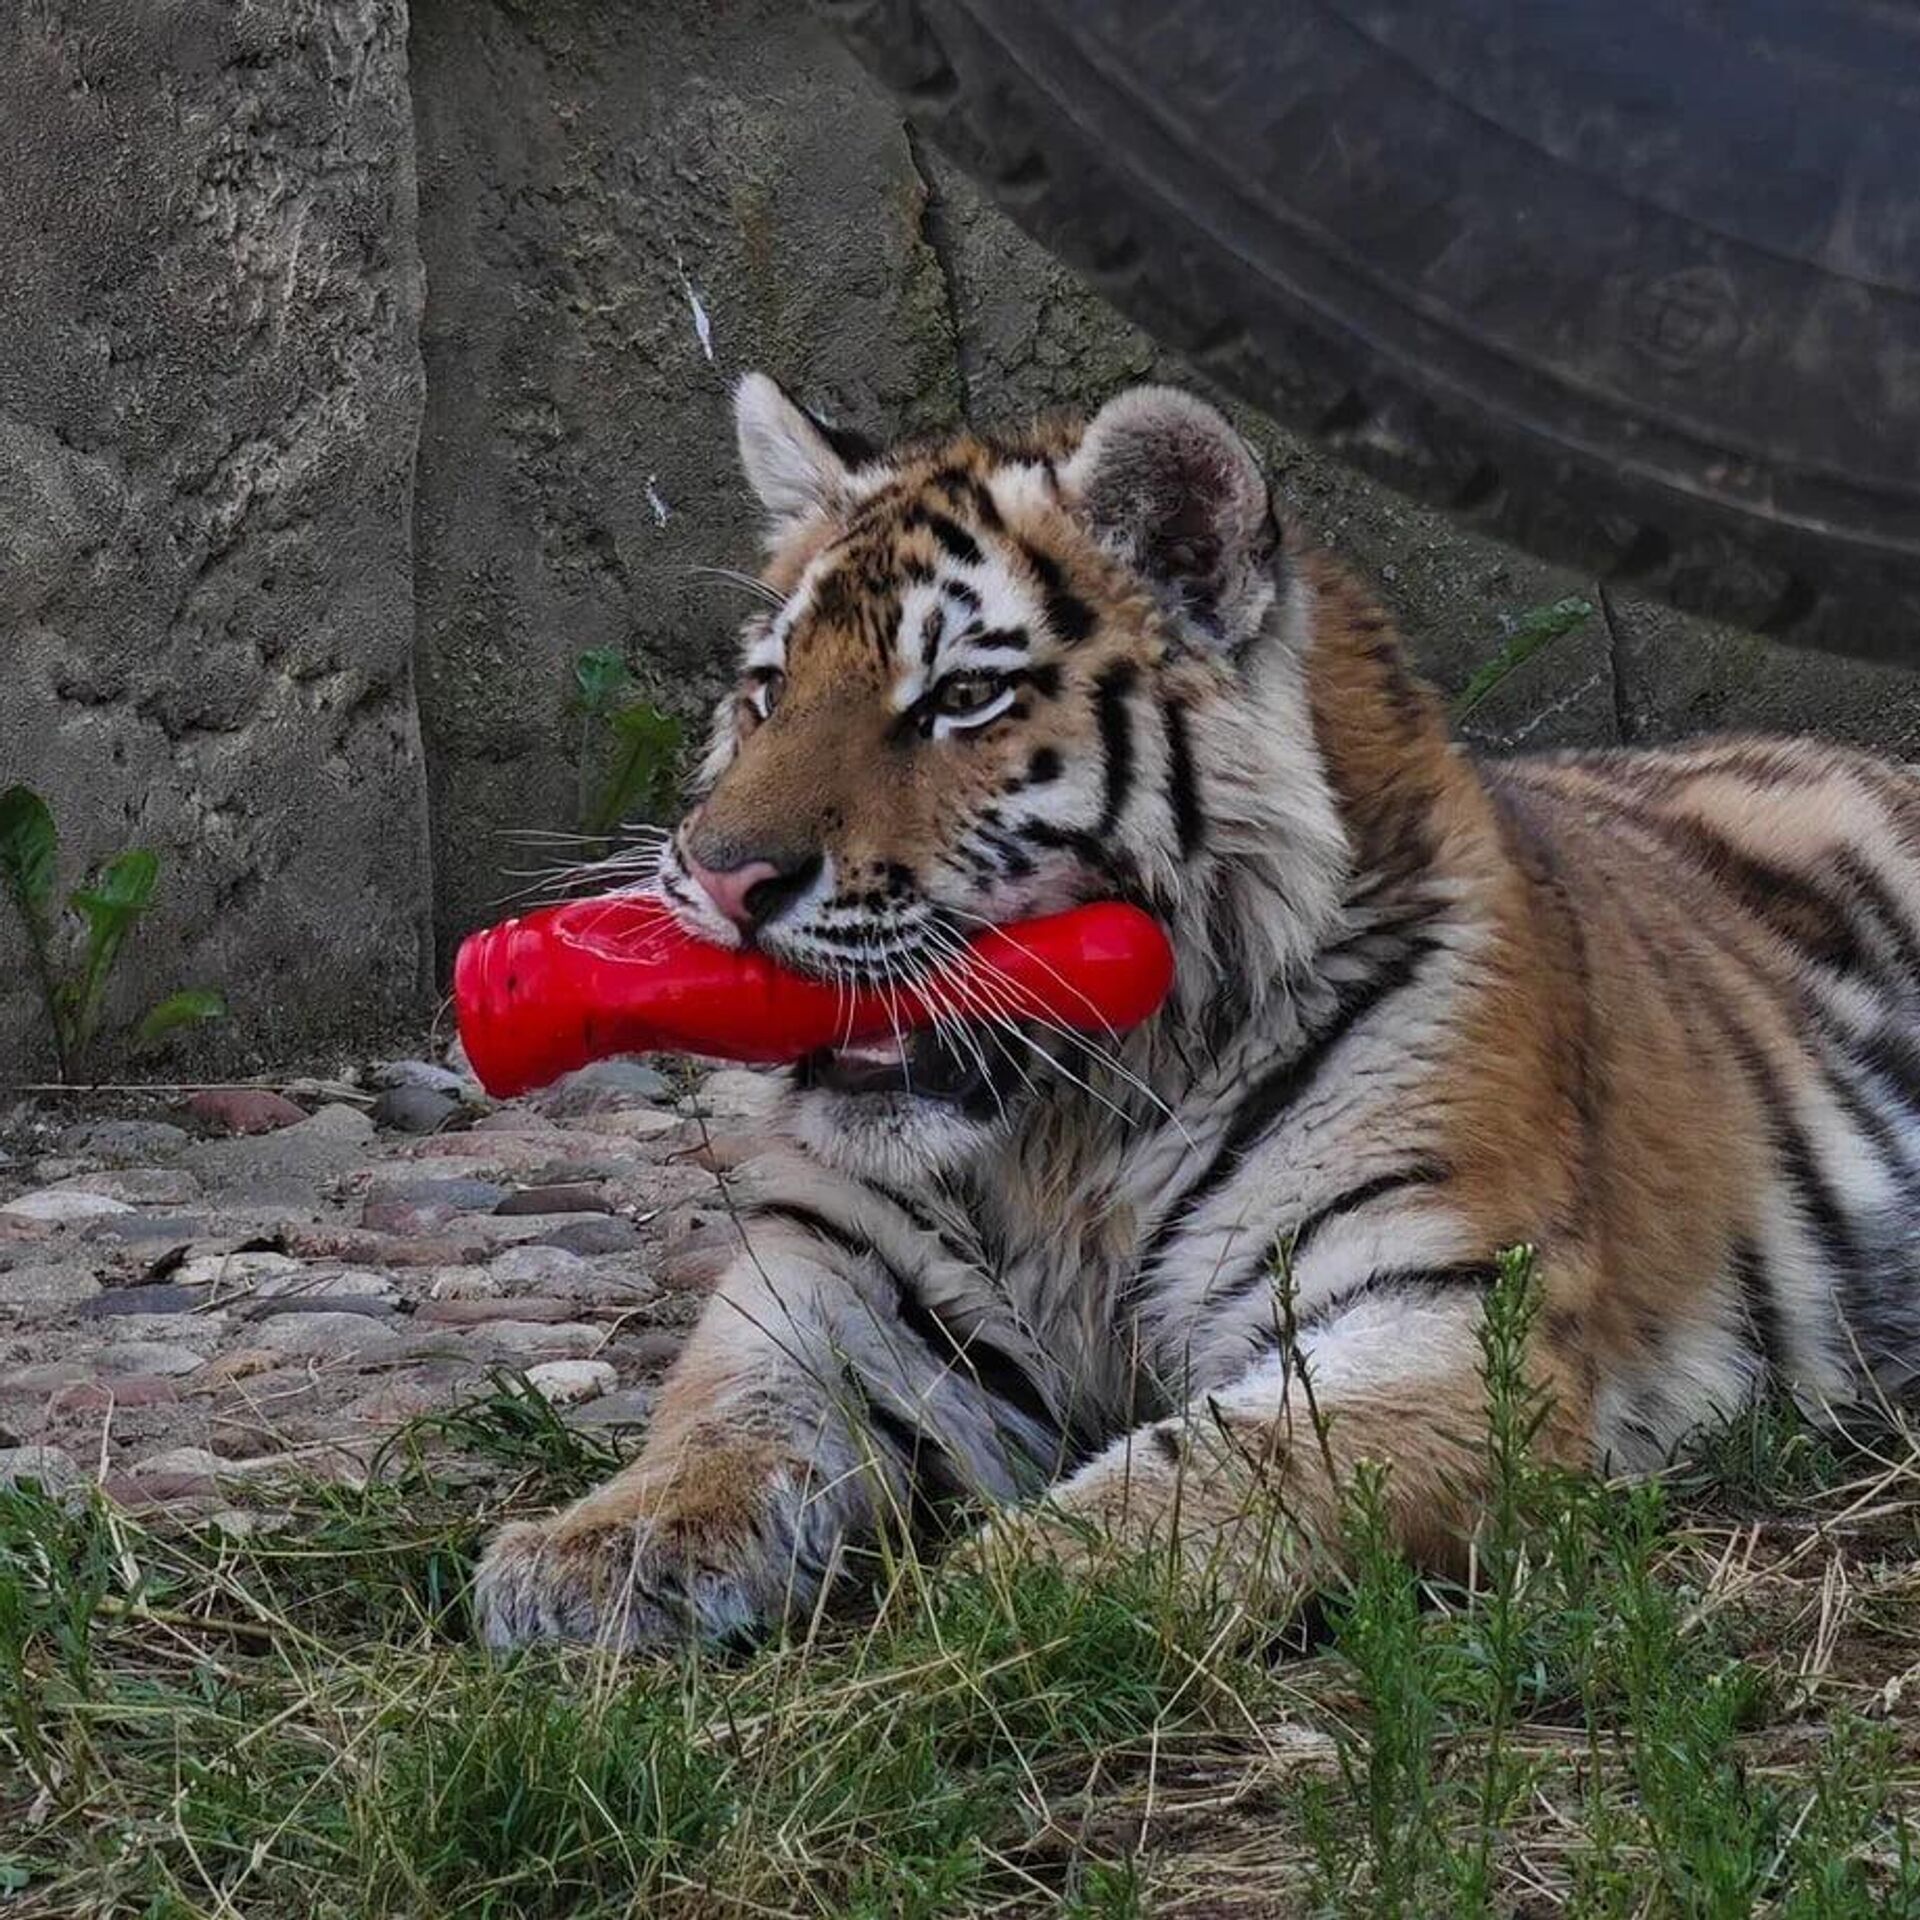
x: 795, y: 463
x: 1164, y: 481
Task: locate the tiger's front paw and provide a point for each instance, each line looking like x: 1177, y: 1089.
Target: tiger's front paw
x: 1050, y: 1534
x: 636, y: 1567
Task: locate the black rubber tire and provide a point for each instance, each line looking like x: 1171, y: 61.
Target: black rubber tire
x: 1633, y: 283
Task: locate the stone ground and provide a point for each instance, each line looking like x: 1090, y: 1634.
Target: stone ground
x: 200, y: 1293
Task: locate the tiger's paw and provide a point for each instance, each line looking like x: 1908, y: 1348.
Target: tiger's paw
x: 1048, y: 1535
x: 637, y: 1565
x: 619, y: 1587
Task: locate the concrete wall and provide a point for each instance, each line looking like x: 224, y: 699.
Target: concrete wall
x: 209, y: 393
x: 238, y: 621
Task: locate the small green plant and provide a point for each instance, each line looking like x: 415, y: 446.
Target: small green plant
x: 73, y: 955
x: 1533, y: 631
x: 632, y: 746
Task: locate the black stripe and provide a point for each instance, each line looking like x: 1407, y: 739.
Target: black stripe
x: 1043, y: 833
x: 1818, y: 1203
x: 1013, y: 857
x: 1043, y: 766
x: 1826, y: 1038
x: 998, y: 1373
x: 1183, y: 791
x: 925, y: 1222
x: 959, y: 590
x: 1424, y: 1173
x: 1116, y: 738
x: 1478, y: 1276
x: 1895, y: 1056
x: 1885, y: 912
x: 1762, y: 1310
x: 1819, y: 1208
x: 1814, y: 1200
x: 954, y: 538
x: 1785, y: 903
x: 934, y: 1480
x: 1008, y: 639
x: 1272, y: 1094
x: 1067, y: 614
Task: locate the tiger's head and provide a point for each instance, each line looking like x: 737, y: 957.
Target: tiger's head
x: 994, y: 679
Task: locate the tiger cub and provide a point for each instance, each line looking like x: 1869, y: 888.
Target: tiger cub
x: 1655, y: 1015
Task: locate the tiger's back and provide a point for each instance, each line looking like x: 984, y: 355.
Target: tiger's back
x: 1742, y: 922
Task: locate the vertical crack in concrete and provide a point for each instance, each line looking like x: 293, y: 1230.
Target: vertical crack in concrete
x: 1623, y: 726
x: 937, y: 232
x: 434, y: 936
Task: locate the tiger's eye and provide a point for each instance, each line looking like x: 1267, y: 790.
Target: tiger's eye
x: 766, y: 695
x: 965, y: 693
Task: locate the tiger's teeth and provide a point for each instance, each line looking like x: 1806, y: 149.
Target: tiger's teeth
x: 877, y: 1052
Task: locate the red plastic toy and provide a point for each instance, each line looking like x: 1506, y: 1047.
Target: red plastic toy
x: 544, y: 994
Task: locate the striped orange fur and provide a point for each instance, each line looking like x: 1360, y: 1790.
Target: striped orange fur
x: 1656, y: 1015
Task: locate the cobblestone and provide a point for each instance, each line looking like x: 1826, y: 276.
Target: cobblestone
x: 196, y: 1300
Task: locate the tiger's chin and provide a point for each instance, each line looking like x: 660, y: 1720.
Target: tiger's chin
x: 901, y: 1112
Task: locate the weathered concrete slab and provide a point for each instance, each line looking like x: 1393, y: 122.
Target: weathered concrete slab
x: 623, y: 209
x: 209, y: 396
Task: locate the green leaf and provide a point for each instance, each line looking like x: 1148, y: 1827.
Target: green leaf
x: 14, y: 1876
x: 601, y: 675
x: 121, y: 892
x: 1538, y: 627
x: 189, y: 1007
x: 28, y: 845
x: 647, y: 771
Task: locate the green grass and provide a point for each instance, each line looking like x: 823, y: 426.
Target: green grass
x: 1676, y: 1699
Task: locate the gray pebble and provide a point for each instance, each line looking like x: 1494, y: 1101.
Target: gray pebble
x: 164, y: 1358
x: 230, y: 1271
x: 349, y: 1283
x: 534, y: 1266
x: 414, y: 1109
x: 183, y: 1460
x: 327, y: 1335
x: 632, y: 1407
x: 138, y: 1186
x: 461, y: 1195
x: 573, y: 1197
x: 52, y: 1284
x: 604, y: 1087
x: 157, y: 1297
x: 336, y: 1122
x: 565, y: 1383
x: 125, y: 1143
x: 58, y: 1206
x: 542, y: 1339
x: 416, y: 1073
x: 309, y: 1304
x: 593, y: 1235
x: 147, y: 1230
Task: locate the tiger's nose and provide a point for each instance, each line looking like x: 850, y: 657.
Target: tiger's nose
x: 756, y: 891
